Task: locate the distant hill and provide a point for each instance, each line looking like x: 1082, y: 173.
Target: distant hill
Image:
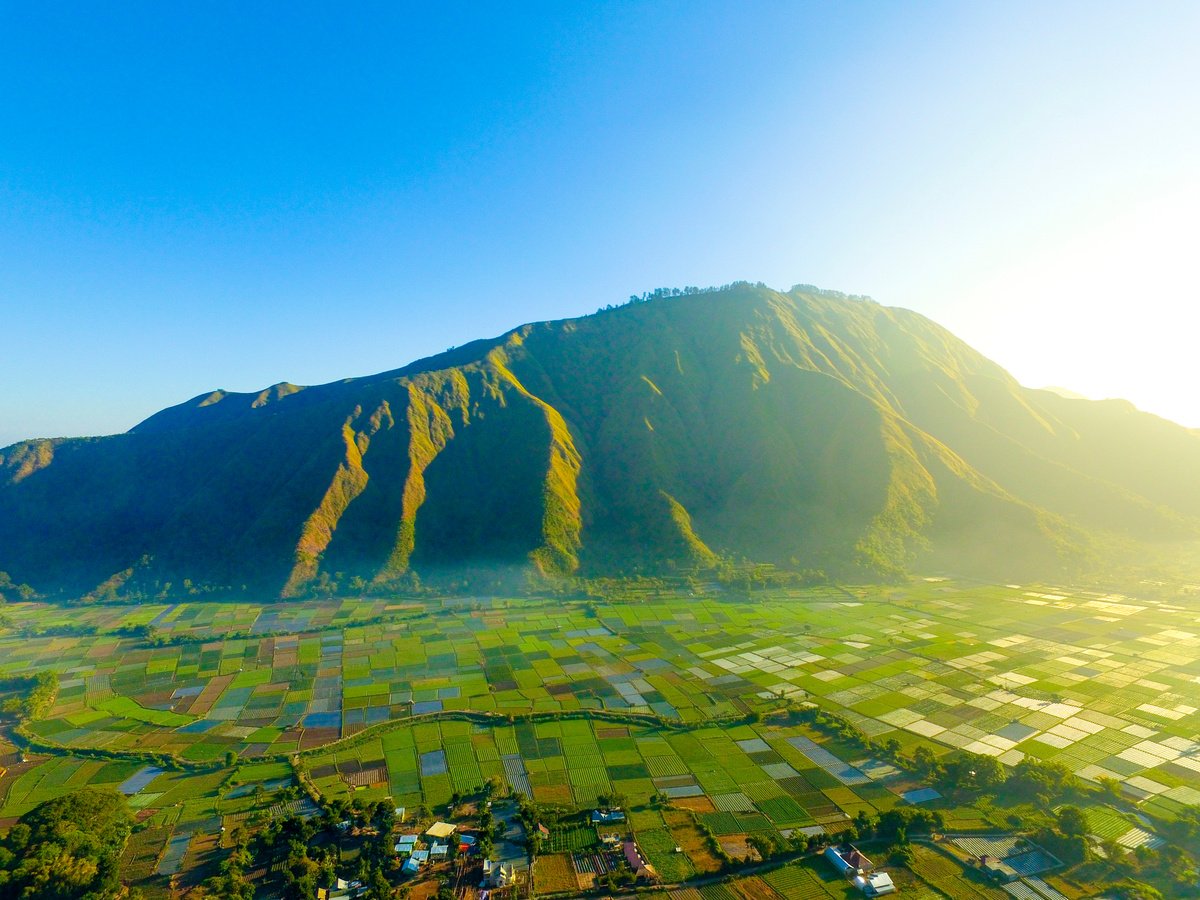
x: 805, y: 429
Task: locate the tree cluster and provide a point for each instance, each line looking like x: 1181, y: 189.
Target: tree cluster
x: 40, y: 692
x: 11, y: 591
x: 67, y: 847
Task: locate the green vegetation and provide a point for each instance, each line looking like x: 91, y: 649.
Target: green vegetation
x: 691, y: 429
x: 29, y: 697
x: 725, y: 726
x: 124, y: 707
x: 66, y: 848
x: 11, y: 591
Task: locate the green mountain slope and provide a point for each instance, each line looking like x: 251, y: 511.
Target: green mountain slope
x: 805, y: 429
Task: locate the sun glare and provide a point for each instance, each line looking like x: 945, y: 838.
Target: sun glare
x: 1107, y: 308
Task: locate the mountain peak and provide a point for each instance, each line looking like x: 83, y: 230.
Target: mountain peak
x: 806, y: 429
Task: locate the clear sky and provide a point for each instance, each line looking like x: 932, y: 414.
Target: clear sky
x: 199, y: 195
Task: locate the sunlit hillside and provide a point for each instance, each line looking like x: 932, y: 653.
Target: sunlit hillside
x: 805, y: 429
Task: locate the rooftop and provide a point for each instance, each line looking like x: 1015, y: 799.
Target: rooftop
x: 440, y: 830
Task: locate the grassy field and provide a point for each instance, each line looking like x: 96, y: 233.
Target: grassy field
x: 554, y: 873
x: 365, y: 692
x: 695, y: 846
x: 815, y: 880
x: 658, y: 849
x: 999, y: 670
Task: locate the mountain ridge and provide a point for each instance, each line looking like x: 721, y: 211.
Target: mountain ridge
x: 803, y: 428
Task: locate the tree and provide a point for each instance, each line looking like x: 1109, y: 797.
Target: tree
x: 864, y: 823
x: 1112, y: 850
x: 906, y: 820
x: 231, y: 881
x: 300, y: 875
x: 383, y: 817
x: 378, y: 887
x: 493, y: 787
x: 1044, y: 781
x: 67, y: 847
x: 1070, y: 848
x: 1072, y: 821
x: 1188, y: 823
x: 1136, y: 890
x: 900, y: 854
x: 924, y: 760
x: 614, y: 800
x: 768, y: 844
x: 1111, y: 787
x: 973, y: 772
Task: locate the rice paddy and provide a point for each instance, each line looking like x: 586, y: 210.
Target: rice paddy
x: 650, y: 698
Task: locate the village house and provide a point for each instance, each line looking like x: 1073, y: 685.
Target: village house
x: 499, y: 875
x: 440, y: 830
x: 859, y: 870
x: 407, y: 844
x: 878, y: 884
x: 341, y: 890
x: 607, y: 816
x: 996, y: 868
x: 848, y: 860
x: 642, y: 870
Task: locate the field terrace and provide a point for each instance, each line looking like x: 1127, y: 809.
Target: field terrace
x: 1108, y: 685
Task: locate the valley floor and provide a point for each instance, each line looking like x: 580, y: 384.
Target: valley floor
x: 694, y: 708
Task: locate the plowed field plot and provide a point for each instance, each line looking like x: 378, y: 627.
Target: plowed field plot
x: 172, y: 858
x: 658, y: 848
x: 597, y: 863
x: 795, y: 882
x: 565, y: 839
x: 686, y: 835
x: 554, y: 873
x: 143, y: 852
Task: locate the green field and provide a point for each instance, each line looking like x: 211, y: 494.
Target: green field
x: 1004, y: 671
x: 648, y: 696
x: 996, y: 670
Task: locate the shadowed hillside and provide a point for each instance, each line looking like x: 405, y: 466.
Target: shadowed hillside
x: 805, y: 429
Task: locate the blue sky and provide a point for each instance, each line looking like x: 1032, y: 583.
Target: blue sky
x: 196, y: 196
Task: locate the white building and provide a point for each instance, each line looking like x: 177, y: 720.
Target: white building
x: 878, y: 884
